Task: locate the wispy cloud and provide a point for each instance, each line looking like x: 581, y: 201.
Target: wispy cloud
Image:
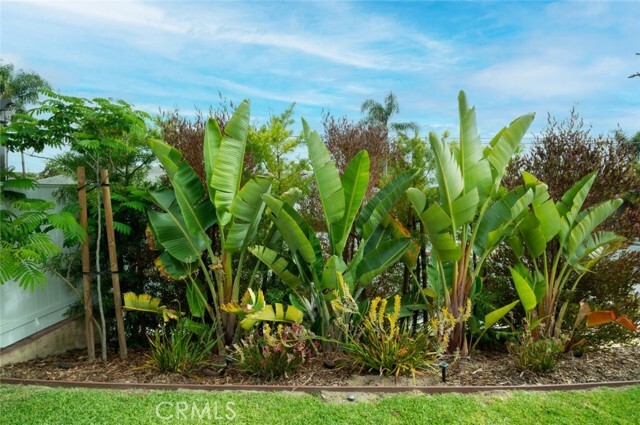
x: 130, y: 13
x: 510, y: 57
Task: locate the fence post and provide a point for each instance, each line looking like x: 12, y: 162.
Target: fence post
x: 113, y: 260
x: 86, y: 267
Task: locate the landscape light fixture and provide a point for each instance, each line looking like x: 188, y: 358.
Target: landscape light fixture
x: 443, y: 367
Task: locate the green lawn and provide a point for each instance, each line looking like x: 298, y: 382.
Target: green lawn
x: 40, y: 405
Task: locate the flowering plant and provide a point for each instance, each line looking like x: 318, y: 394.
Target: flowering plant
x: 381, y: 343
x: 272, y: 354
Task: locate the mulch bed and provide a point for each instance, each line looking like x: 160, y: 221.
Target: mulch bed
x: 484, y: 368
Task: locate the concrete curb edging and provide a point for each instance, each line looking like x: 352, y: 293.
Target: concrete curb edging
x: 314, y: 389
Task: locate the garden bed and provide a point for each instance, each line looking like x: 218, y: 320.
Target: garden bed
x: 482, y: 369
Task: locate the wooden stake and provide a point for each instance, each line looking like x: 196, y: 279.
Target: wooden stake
x: 113, y: 260
x: 86, y: 268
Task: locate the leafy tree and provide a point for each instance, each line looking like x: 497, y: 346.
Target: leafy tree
x: 19, y: 89
x: 100, y: 134
x: 26, y: 245
x: 473, y: 213
x: 270, y: 150
x: 556, y: 241
x: 187, y: 135
x: 564, y: 151
x: 380, y: 114
x: 345, y: 139
x: 181, y: 232
x: 314, y: 280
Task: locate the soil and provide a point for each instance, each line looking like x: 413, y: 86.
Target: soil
x: 620, y: 363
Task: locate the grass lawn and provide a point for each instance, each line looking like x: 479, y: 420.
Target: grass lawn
x: 40, y: 405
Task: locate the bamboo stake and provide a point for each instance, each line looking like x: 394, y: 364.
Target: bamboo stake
x: 113, y: 260
x: 86, y: 268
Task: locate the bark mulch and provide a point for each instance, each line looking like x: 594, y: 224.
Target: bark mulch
x: 620, y: 363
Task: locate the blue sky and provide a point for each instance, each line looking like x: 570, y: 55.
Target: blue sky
x: 510, y: 57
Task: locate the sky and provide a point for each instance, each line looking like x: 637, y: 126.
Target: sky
x: 511, y: 58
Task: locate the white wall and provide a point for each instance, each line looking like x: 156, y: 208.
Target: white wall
x: 22, y: 312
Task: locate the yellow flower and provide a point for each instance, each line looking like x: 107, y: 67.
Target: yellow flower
x: 383, y: 307
x: 396, y: 308
x: 373, y: 310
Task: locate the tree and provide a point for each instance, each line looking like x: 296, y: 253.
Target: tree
x: 100, y: 134
x: 181, y: 232
x: 345, y: 138
x: 380, y: 114
x: 270, y: 147
x: 473, y: 212
x: 26, y: 246
x: 187, y: 135
x: 122, y: 149
x: 565, y: 150
x: 315, y: 279
x: 19, y: 89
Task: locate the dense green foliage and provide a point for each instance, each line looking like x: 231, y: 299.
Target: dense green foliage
x: 383, y: 344
x: 473, y: 213
x: 26, y: 244
x: 376, y: 241
x: 181, y: 348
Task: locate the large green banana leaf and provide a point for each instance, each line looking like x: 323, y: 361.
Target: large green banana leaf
x: 333, y: 268
x: 381, y: 204
x: 475, y: 168
x: 174, y: 236
x: 354, y: 181
x: 327, y: 177
x: 211, y: 145
x: 499, y: 218
x: 381, y: 258
x: 505, y: 145
x: 171, y: 267
x: 281, y: 266
x: 596, y: 246
x: 586, y: 223
x: 524, y: 289
x: 571, y: 203
x: 298, y: 235
x: 448, y: 173
x: 470, y: 144
x: 197, y: 212
x: 227, y: 171
x: 247, y: 209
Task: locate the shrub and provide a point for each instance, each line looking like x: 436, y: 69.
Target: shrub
x: 273, y: 355
x: 611, y: 287
x: 182, y: 348
x: 539, y: 355
x: 383, y: 345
